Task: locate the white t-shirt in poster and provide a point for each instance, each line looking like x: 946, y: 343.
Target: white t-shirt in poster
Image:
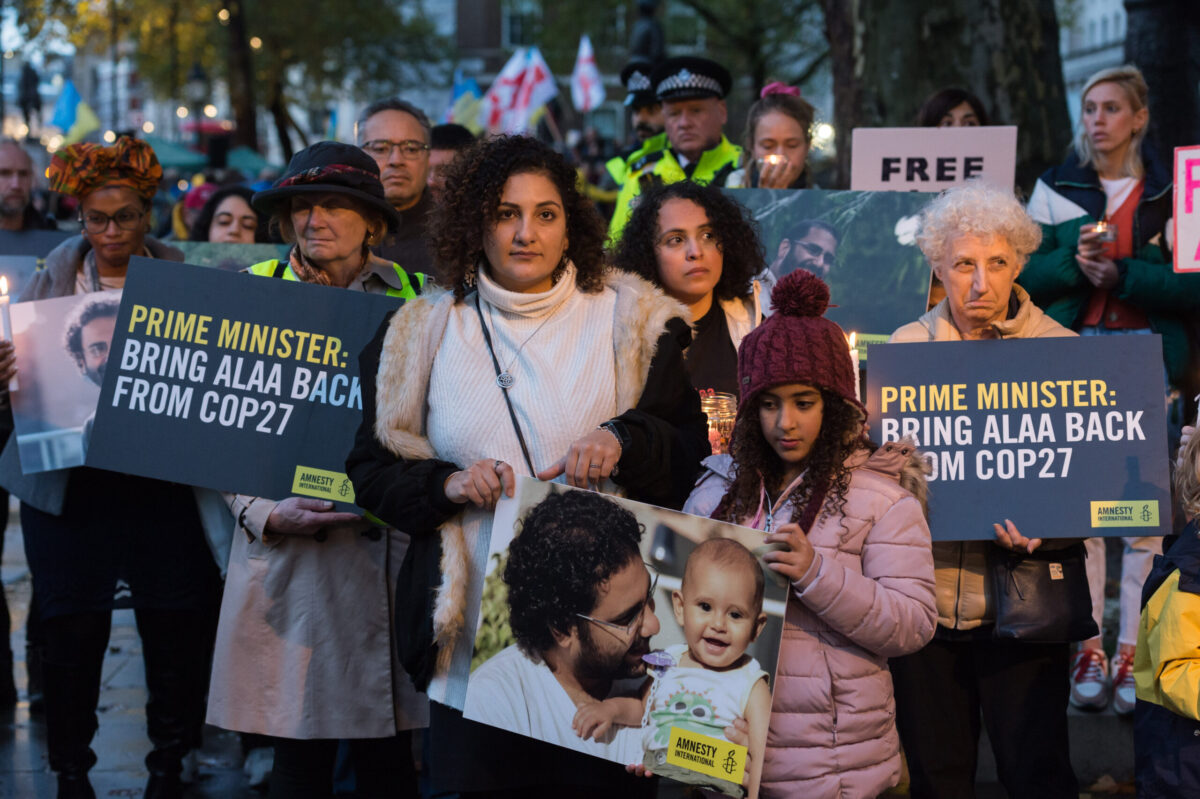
x: 513, y: 693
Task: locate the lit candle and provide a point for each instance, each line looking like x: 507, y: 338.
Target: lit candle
x: 854, y: 362
x: 6, y: 321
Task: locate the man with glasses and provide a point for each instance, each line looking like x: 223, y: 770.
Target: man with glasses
x: 810, y: 245
x: 396, y: 134
x: 581, y: 607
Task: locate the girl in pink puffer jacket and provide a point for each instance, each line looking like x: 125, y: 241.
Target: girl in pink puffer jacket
x: 851, y: 539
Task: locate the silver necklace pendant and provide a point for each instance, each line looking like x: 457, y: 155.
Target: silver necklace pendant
x: 505, y: 380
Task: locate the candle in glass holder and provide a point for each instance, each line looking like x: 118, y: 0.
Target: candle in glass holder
x: 854, y: 363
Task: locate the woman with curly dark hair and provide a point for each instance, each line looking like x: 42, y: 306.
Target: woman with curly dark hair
x: 702, y: 248
x: 534, y: 361
x: 848, y: 534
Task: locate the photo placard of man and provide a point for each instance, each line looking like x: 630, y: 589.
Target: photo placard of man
x: 87, y: 338
x: 581, y: 607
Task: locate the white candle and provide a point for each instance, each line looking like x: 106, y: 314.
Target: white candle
x: 6, y: 321
x: 854, y: 362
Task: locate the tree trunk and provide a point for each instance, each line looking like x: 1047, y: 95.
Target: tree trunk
x: 241, y: 79
x: 889, y: 55
x: 1163, y: 39
x: 283, y: 121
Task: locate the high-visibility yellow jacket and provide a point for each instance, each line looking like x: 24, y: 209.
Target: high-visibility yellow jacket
x: 661, y: 166
x: 405, y: 289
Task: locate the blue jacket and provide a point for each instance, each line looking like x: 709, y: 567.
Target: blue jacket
x: 1167, y: 743
x: 1069, y: 196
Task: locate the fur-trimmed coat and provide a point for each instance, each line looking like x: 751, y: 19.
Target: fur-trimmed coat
x: 867, y: 596
x: 399, y: 477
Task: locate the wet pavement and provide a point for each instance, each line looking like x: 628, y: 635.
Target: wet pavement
x: 121, y: 743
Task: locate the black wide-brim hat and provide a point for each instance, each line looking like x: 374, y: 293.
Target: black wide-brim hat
x: 690, y: 78
x: 639, y: 88
x: 329, y: 167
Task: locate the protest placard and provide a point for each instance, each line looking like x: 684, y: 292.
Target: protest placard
x: 1064, y: 436
x: 697, y: 687
x: 31, y: 242
x: 932, y: 159
x: 62, y: 347
x: 862, y: 243
x: 1185, y: 243
x: 233, y: 257
x: 235, y: 382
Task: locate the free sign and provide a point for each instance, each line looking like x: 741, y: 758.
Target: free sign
x: 1185, y: 242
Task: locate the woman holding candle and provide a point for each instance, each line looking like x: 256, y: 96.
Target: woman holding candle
x: 777, y: 138
x: 94, y: 536
x: 702, y: 248
x: 1104, y: 269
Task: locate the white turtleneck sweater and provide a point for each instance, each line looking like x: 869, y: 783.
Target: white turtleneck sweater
x: 565, y: 385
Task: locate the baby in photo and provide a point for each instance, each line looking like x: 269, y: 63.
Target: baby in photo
x: 704, y: 685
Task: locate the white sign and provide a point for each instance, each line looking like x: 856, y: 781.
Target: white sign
x: 1185, y: 243
x: 931, y: 159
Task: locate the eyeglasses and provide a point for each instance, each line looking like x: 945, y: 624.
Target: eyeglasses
x: 816, y: 252
x: 410, y: 150
x: 126, y: 219
x: 625, y: 630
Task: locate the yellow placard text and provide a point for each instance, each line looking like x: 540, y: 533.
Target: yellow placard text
x: 1125, y: 513
x: 714, y: 757
x: 323, y: 484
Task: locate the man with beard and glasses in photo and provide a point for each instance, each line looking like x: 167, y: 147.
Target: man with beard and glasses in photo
x: 87, y: 338
x: 811, y: 245
x: 581, y: 606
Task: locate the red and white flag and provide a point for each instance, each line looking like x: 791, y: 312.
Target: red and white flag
x: 522, y: 86
x: 587, y: 89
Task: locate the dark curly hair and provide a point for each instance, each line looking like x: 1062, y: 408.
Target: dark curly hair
x: 85, y: 312
x: 569, y: 544
x: 474, y: 183
x: 737, y: 236
x: 826, y: 473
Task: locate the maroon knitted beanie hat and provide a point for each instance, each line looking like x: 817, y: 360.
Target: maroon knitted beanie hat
x: 796, y: 344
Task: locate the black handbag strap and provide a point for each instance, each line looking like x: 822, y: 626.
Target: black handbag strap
x: 512, y: 414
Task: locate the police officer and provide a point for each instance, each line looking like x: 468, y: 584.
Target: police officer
x: 645, y: 113
x: 692, y: 92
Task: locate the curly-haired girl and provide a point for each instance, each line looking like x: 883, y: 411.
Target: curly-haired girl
x: 537, y: 361
x: 702, y: 248
x: 851, y: 540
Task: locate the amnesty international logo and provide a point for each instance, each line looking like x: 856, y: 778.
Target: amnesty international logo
x: 714, y: 757
x: 1125, y: 513
x: 323, y: 484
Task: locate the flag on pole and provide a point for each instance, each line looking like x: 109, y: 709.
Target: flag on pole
x: 587, y: 89
x: 72, y: 115
x: 522, y: 86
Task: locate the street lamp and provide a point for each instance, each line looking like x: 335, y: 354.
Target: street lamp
x: 197, y: 90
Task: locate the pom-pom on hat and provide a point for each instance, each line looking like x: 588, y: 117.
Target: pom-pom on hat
x: 796, y: 344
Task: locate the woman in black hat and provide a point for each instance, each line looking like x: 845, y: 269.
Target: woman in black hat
x: 304, y: 647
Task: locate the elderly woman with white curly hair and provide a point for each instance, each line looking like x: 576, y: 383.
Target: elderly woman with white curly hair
x: 977, y: 238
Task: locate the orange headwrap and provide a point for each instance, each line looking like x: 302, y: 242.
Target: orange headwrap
x: 81, y: 169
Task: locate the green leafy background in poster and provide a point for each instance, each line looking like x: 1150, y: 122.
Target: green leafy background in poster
x: 879, y: 280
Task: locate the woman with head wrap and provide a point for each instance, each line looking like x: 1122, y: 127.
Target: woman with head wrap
x: 93, y: 537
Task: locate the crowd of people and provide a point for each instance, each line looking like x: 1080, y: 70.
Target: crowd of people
x: 537, y: 340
